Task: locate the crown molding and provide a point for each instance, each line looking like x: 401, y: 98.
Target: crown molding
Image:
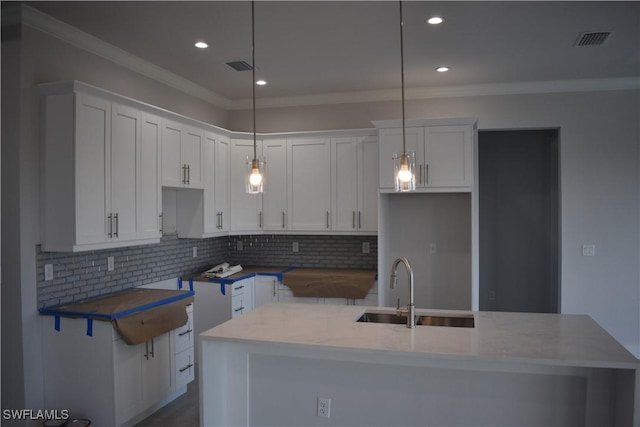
x: 72, y: 35
x: 494, y: 89
x: 82, y: 40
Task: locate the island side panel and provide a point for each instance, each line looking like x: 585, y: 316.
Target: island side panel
x: 252, y: 384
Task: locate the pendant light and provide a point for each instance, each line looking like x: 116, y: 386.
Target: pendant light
x: 404, y: 165
x: 254, y: 181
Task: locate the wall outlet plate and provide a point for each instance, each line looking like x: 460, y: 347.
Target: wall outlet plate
x: 365, y: 247
x: 588, y: 250
x: 195, y: 251
x: 295, y: 247
x: 48, y: 272
x: 111, y: 265
x: 239, y: 245
x: 324, y: 407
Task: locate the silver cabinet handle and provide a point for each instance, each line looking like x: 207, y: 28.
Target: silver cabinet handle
x: 239, y: 287
x: 110, y: 220
x: 359, y: 219
x: 260, y: 219
x: 186, y: 367
x: 188, y: 331
x: 188, y: 174
x: 420, y: 176
x: 146, y: 353
x: 115, y: 233
x: 184, y: 174
x: 353, y: 219
x: 426, y: 175
x: 239, y: 309
x: 152, y: 348
x: 283, y: 219
x: 274, y: 287
x: 161, y: 223
x: 327, y: 219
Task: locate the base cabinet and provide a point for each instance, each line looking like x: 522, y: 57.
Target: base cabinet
x: 103, y: 379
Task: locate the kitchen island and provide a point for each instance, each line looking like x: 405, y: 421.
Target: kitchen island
x: 274, y: 365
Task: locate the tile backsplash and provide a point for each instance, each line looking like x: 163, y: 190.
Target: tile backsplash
x: 83, y: 275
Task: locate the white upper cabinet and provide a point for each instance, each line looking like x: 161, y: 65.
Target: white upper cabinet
x: 205, y: 213
x: 182, y: 154
x: 100, y: 185
x: 355, y: 183
x: 246, y: 209
x: 309, y: 168
x: 444, y: 153
x: 274, y: 198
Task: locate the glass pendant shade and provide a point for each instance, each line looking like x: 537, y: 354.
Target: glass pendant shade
x: 404, y: 166
x: 254, y: 178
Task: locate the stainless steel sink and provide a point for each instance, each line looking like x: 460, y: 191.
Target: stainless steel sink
x: 459, y: 321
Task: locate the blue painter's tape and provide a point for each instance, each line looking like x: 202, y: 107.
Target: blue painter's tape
x: 89, y: 326
x: 179, y: 282
x: 56, y: 323
x: 191, y: 284
x: 222, y: 288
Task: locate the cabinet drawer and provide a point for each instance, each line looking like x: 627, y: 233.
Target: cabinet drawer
x: 237, y: 305
x: 237, y: 288
x: 185, y: 370
x: 184, y: 335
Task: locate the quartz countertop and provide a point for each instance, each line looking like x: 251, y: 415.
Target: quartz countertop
x: 543, y: 339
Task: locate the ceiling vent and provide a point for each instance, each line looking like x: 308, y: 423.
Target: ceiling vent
x: 592, y: 38
x: 240, y: 65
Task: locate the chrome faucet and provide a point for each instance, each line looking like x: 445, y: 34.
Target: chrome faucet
x: 410, y: 311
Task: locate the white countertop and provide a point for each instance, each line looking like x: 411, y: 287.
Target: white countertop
x: 547, y: 339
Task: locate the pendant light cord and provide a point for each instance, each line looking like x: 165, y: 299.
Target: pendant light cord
x: 404, y: 148
x: 253, y: 76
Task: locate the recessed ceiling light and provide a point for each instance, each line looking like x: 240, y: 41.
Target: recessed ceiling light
x: 261, y: 82
x: 201, y: 45
x: 434, y: 20
x: 442, y: 69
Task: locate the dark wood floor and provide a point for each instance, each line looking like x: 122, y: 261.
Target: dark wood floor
x: 182, y: 412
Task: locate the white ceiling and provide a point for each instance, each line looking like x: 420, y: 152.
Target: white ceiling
x: 318, y: 47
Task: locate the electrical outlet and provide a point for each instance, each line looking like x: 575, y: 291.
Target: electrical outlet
x: 365, y: 248
x: 324, y: 407
x: 295, y: 247
x: 195, y: 251
x: 492, y: 295
x: 239, y: 245
x: 588, y: 250
x: 111, y: 265
x: 48, y: 272
x: 433, y: 248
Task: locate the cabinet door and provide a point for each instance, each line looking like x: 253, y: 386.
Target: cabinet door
x: 391, y: 142
x: 150, y: 188
x: 156, y: 370
x: 129, y: 399
x: 274, y: 199
x: 368, y: 180
x: 92, y: 185
x: 125, y: 143
x: 210, y: 217
x: 221, y: 171
x: 246, y: 209
x: 172, y: 171
x: 344, y: 184
x: 191, y: 156
x: 448, y: 161
x: 265, y: 289
x: 309, y: 170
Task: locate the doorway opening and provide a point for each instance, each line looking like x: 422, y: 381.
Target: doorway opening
x: 519, y: 220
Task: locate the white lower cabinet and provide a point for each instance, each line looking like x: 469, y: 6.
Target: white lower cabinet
x: 265, y: 289
x: 102, y: 378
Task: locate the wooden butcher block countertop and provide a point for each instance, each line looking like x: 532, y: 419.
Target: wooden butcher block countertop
x: 329, y: 283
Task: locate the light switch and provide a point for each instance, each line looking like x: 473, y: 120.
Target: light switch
x: 48, y: 272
